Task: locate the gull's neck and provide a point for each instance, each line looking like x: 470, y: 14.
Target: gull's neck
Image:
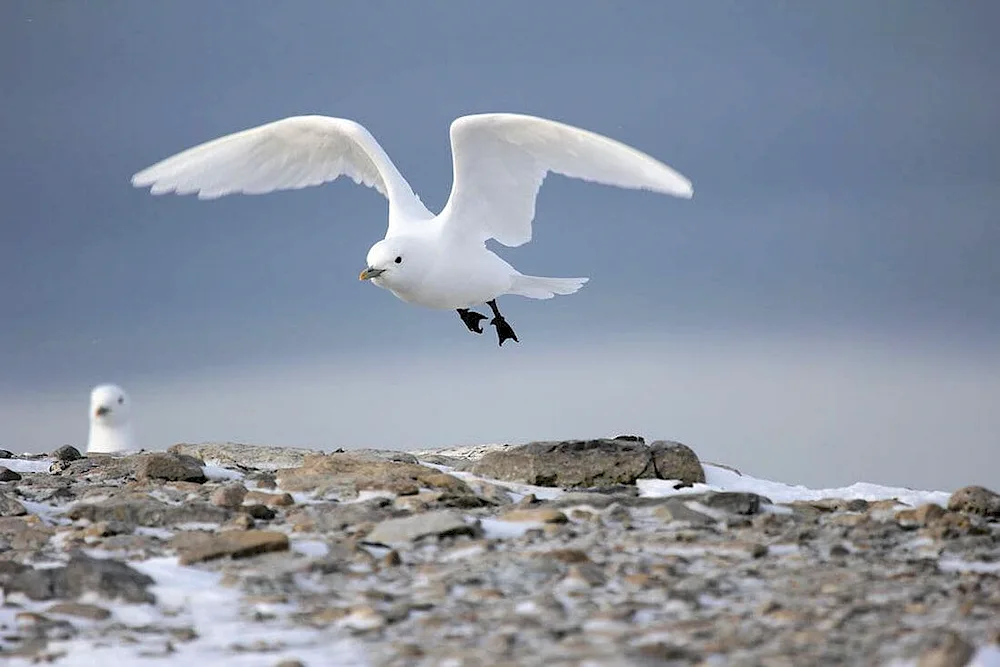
x: 109, y: 439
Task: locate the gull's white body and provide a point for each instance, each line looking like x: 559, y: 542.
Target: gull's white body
x: 110, y: 420
x: 499, y: 160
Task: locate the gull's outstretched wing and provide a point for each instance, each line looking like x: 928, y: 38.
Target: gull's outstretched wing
x: 500, y: 161
x: 287, y: 154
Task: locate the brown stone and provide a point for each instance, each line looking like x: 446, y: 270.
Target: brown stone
x: 348, y: 473
x: 539, y: 515
x: 230, y: 495
x: 564, y: 555
x: 270, y: 499
x: 79, y: 610
x: 921, y: 516
x: 951, y: 650
x: 235, y: 544
x: 170, y: 467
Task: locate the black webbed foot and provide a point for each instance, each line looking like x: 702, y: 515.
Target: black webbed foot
x: 471, y: 319
x: 504, y: 331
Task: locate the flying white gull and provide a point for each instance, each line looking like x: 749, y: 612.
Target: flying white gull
x: 437, y: 261
x: 110, y: 420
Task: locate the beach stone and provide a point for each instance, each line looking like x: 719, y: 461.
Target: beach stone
x: 539, y: 515
x: 733, y: 502
x: 67, y: 453
x: 270, y: 499
x: 976, y: 500
x: 673, y: 460
x: 170, y: 467
x: 674, y: 509
x: 6, y: 454
x: 335, y: 517
x: 145, y: 511
x: 230, y: 454
x: 9, y: 505
x: 25, y: 533
x: 229, y: 495
x: 567, y: 464
x: 107, y: 577
x: 921, y: 516
x: 403, y: 531
x: 348, y: 473
x: 8, y: 475
x: 90, y: 612
x: 950, y: 650
x: 235, y: 544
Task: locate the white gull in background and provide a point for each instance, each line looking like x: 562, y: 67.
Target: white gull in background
x: 437, y: 261
x: 110, y: 420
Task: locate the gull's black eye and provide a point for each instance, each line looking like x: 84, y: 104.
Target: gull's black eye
x: 398, y: 260
x: 121, y: 399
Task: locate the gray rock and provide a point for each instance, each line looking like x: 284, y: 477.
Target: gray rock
x: 9, y: 505
x: 674, y: 509
x: 23, y: 533
x: 335, y: 517
x: 102, y: 468
x: 170, y: 467
x: 109, y: 578
x: 602, y: 465
x: 374, y: 455
x: 673, y: 460
x: 567, y: 464
x: 734, y: 502
x: 976, y: 500
x: 146, y: 511
x: 6, y: 454
x: 259, y: 457
x: 403, y: 531
x: 453, y: 462
x: 67, y: 453
x: 258, y: 511
x: 8, y: 475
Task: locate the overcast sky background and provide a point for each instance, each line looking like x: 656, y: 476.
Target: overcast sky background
x: 823, y: 311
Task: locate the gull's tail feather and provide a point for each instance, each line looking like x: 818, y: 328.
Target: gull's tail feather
x: 535, y: 287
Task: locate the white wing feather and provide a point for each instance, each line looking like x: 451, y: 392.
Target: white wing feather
x: 500, y: 161
x: 291, y: 153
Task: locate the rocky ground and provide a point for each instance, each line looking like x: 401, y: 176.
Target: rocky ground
x: 543, y: 554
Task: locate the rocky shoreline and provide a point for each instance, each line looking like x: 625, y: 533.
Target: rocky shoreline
x: 598, y: 552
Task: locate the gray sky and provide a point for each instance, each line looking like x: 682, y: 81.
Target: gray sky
x: 842, y: 243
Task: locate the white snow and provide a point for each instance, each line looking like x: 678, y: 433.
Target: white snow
x: 723, y: 479
x: 956, y: 565
x: 314, y: 548
x: 24, y: 465
x: 498, y: 529
x: 215, y: 471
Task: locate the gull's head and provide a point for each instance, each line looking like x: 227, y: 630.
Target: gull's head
x: 109, y: 406
x: 397, y: 263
